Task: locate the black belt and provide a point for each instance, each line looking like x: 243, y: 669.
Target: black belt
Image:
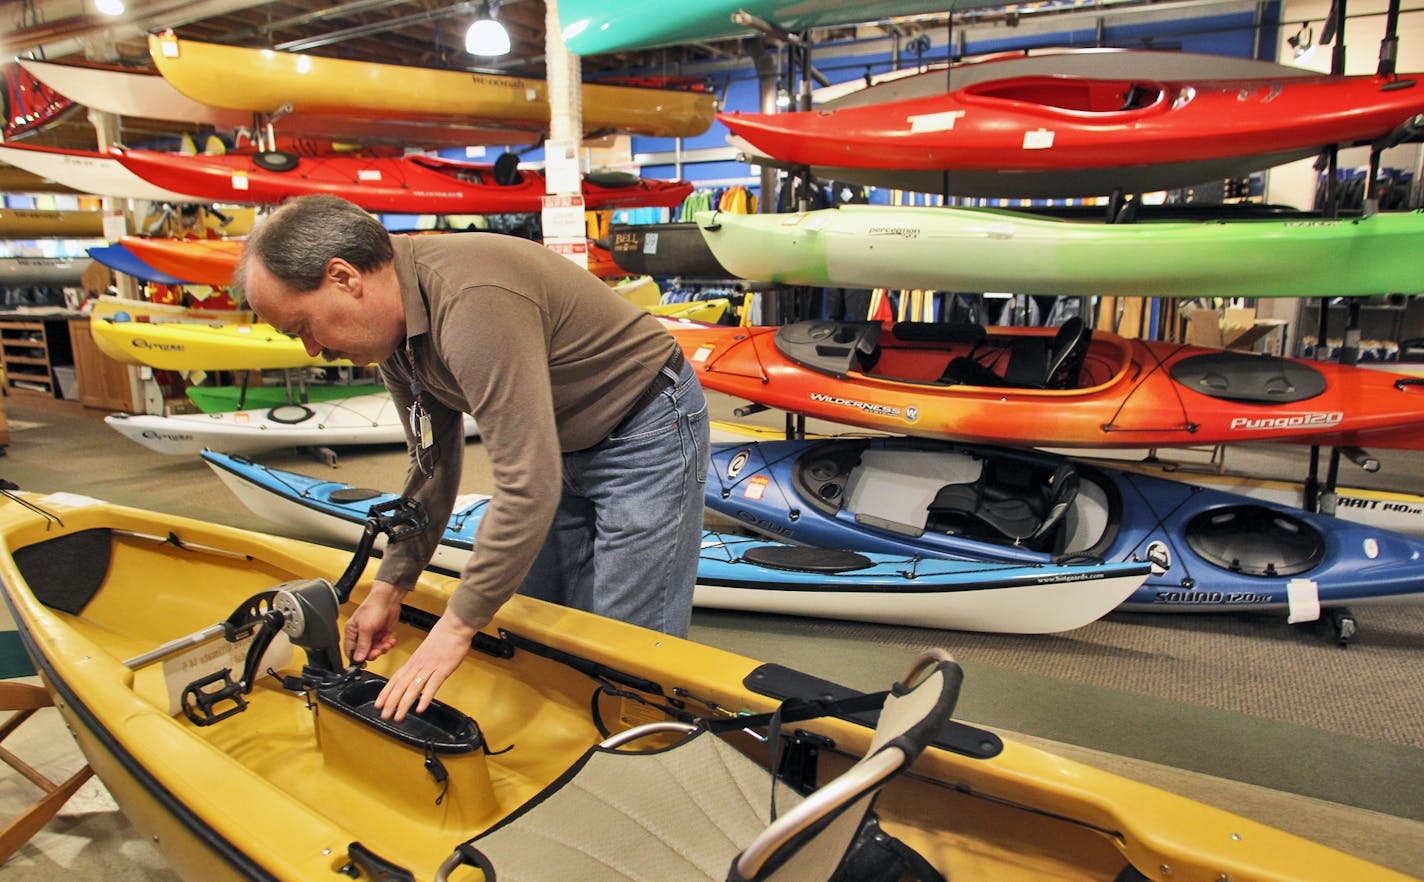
x: 661, y: 381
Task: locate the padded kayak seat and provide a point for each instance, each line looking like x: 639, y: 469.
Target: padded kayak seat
x: 702, y: 811
x: 1033, y: 362
x: 506, y: 170
x: 1010, y: 500
x: 972, y: 333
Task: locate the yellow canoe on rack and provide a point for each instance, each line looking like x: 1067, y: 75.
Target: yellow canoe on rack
x: 192, y: 346
x: 29, y: 223
x: 122, y: 612
x: 263, y: 81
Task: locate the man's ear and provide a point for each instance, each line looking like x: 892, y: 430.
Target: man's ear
x: 346, y: 276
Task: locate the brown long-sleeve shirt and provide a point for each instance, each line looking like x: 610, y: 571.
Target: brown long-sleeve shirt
x: 544, y: 356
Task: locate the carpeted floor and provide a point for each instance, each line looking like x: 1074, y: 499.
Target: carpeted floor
x: 1212, y: 703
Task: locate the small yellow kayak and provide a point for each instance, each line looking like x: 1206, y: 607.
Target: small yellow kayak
x: 707, y: 311
x: 190, y: 346
x: 258, y: 760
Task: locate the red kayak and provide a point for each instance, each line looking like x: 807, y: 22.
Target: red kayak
x: 1037, y: 387
x: 1063, y: 135
x: 406, y: 184
x: 28, y: 105
x: 212, y: 261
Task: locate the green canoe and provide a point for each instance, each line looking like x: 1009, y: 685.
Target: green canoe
x: 592, y: 27
x: 962, y: 249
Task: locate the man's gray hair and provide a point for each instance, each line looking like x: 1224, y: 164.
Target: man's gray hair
x: 295, y: 243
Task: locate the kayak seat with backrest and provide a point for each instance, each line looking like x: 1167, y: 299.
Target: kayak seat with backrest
x: 1033, y: 362
x: 1010, y: 500
x: 701, y: 809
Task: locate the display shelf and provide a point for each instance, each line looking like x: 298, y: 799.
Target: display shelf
x: 31, y: 349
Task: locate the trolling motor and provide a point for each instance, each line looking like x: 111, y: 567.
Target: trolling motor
x: 305, y: 610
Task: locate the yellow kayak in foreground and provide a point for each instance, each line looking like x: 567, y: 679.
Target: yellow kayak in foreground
x: 112, y: 604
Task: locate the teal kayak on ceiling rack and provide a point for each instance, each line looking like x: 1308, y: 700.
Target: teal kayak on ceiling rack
x: 976, y: 249
x: 592, y: 27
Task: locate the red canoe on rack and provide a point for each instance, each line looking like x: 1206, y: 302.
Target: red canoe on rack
x: 1037, y: 387
x: 407, y: 184
x: 1060, y: 135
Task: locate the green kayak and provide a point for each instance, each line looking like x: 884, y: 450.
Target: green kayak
x: 965, y: 249
x: 221, y: 399
x: 593, y: 27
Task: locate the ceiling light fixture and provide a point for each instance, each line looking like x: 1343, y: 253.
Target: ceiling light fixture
x: 109, y: 7
x: 487, y: 36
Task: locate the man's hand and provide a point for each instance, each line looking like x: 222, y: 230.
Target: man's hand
x: 370, y: 632
x: 430, y: 665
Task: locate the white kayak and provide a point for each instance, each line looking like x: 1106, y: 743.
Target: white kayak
x: 88, y: 172
x: 364, y: 419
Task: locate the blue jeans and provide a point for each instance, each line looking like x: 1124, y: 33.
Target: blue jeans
x: 627, y: 535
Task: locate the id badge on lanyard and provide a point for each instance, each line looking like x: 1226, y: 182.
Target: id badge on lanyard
x: 421, y: 429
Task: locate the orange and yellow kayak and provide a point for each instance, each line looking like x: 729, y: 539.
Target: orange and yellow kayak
x: 263, y: 80
x: 1032, y: 387
x: 200, y: 261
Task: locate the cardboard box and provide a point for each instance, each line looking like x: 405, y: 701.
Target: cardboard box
x: 1236, y: 327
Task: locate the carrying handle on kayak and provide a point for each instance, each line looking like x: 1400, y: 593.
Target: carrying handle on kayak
x: 1404, y: 382
x: 399, y: 519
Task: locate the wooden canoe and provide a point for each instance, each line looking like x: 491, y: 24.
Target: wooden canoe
x: 284, y: 791
x: 263, y: 81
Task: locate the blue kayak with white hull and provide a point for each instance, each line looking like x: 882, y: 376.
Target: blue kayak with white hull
x: 1211, y: 551
x: 755, y: 574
